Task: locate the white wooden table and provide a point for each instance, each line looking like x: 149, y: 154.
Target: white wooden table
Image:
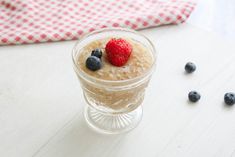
x: 41, y: 103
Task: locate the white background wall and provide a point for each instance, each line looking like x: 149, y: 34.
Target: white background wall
x: 215, y: 15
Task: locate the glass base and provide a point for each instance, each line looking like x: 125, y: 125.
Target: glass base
x: 112, y: 123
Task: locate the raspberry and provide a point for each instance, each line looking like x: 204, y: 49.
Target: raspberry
x: 118, y: 51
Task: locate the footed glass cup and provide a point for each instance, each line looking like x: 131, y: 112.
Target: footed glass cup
x: 113, y: 106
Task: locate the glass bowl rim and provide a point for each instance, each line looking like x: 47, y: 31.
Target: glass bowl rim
x: 96, y: 80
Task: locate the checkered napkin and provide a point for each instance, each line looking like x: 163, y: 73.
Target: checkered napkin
x: 34, y: 21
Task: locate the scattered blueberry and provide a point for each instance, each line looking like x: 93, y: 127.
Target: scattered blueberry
x: 97, y: 53
x: 93, y: 63
x: 190, y: 67
x: 194, y: 96
x: 229, y: 98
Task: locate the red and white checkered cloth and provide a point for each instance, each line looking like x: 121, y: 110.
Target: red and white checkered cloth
x: 33, y: 21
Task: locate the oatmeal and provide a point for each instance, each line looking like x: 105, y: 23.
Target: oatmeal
x: 138, y: 63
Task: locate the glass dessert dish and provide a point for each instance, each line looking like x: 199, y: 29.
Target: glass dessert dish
x: 114, y: 99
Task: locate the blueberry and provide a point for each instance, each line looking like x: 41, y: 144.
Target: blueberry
x: 97, y: 53
x: 190, y: 67
x: 194, y: 96
x: 93, y: 63
x: 229, y: 98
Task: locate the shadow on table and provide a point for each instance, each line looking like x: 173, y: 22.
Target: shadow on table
x: 77, y: 139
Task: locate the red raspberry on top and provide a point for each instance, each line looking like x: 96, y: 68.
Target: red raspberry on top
x: 118, y: 51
